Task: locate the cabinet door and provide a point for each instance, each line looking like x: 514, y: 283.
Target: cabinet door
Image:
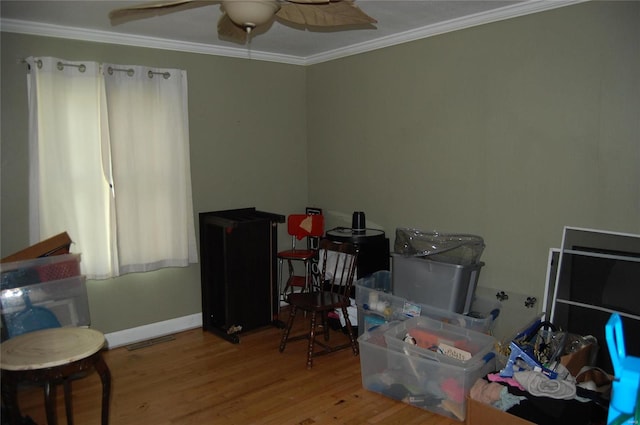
x: 236, y: 275
x: 248, y: 277
x: 212, y: 275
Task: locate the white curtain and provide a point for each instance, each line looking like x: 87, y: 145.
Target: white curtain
x: 68, y: 189
x: 110, y: 164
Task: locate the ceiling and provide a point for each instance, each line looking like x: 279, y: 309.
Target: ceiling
x: 194, y: 30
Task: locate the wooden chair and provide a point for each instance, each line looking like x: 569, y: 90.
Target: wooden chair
x: 300, y: 226
x: 337, y: 269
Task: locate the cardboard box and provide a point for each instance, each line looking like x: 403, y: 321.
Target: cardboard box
x: 55, y: 245
x: 479, y: 413
x: 574, y: 362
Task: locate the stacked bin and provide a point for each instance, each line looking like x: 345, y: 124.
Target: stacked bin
x: 435, y: 373
x: 436, y: 283
x: 377, y: 305
x: 430, y: 374
x: 43, y: 292
x: 437, y: 269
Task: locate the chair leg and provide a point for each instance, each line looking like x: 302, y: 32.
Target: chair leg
x: 325, y: 325
x: 307, y: 276
x: 354, y: 343
x: 280, y: 277
x: 287, y: 329
x: 312, y: 337
x: 283, y: 291
x: 288, y: 286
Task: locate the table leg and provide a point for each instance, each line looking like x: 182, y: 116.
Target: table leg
x: 10, y: 399
x: 50, y: 402
x: 105, y: 377
x: 68, y: 405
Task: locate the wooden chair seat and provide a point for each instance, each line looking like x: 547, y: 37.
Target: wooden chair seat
x: 319, y: 301
x: 297, y: 254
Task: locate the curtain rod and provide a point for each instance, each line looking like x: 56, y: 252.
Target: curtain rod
x: 130, y: 72
x: 82, y: 68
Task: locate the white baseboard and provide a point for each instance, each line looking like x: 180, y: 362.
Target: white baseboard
x: 153, y: 330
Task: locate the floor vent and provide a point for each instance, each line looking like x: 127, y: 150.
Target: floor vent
x: 150, y: 342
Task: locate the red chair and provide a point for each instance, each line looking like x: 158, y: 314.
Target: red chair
x: 300, y: 226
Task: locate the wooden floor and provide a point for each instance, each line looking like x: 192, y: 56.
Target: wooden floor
x: 200, y: 378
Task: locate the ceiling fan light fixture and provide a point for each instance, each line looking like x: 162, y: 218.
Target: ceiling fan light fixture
x: 250, y: 13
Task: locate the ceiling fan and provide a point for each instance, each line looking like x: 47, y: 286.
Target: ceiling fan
x: 241, y: 17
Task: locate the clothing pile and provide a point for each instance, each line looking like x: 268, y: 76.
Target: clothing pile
x: 534, y: 396
x: 549, y: 379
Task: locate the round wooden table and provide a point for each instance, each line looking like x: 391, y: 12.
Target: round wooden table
x: 51, y: 357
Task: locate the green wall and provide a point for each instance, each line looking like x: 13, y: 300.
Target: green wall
x: 247, y: 128
x: 510, y: 130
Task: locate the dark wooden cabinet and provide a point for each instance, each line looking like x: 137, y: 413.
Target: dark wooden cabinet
x: 238, y: 270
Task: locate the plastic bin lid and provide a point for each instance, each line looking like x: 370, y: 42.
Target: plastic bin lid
x: 462, y: 249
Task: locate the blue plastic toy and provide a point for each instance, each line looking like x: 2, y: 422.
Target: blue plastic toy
x: 522, y: 352
x: 624, y: 407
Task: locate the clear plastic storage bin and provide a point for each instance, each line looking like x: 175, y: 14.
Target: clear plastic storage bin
x: 24, y: 307
x: 43, y: 269
x: 425, y: 383
x: 377, y: 305
x: 442, y: 342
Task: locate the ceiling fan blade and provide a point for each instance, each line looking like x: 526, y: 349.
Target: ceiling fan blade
x: 227, y: 30
x: 311, y: 1
x: 147, y: 10
x: 333, y: 14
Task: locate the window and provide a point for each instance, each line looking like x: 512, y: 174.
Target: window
x: 109, y: 164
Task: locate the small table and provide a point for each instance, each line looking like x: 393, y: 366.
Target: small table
x: 50, y: 357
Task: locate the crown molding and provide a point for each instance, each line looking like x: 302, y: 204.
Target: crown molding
x: 504, y: 13
x: 84, y: 34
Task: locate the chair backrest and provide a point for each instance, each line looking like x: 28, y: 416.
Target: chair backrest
x: 337, y: 264
x: 301, y: 226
